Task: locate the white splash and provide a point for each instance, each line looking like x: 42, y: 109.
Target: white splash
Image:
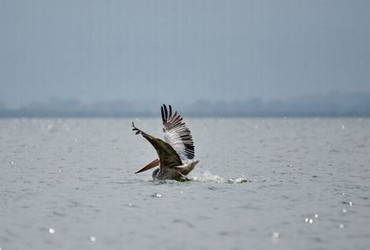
x: 207, y: 177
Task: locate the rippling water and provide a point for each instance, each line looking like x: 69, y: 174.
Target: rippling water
x: 260, y: 183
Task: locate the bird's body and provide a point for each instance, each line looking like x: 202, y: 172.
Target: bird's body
x: 178, y: 173
x: 176, y: 152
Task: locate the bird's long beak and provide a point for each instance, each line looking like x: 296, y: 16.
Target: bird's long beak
x: 149, y: 166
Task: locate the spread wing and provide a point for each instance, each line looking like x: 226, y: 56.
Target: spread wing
x: 177, y: 134
x: 167, y: 155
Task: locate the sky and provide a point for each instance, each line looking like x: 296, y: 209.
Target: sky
x: 181, y: 50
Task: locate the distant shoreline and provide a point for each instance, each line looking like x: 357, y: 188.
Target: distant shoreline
x: 330, y: 105
x: 21, y: 115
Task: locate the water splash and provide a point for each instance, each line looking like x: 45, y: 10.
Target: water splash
x: 275, y: 237
x: 156, y: 195
x: 311, y: 220
x: 207, y: 177
x: 92, y: 239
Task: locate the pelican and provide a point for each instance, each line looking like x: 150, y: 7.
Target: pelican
x: 175, y: 153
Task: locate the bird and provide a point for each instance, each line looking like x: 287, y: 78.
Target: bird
x: 175, y: 153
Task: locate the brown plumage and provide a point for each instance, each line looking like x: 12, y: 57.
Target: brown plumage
x: 176, y: 153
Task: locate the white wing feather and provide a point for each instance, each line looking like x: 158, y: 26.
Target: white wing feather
x: 177, y: 134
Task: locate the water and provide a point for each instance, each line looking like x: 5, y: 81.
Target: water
x: 260, y: 184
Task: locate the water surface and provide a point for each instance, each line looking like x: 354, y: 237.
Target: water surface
x: 260, y: 184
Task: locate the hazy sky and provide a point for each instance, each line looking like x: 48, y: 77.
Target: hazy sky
x: 181, y: 50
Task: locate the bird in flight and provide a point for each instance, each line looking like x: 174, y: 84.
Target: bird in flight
x: 175, y: 152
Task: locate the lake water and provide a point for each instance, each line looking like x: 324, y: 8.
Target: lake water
x: 260, y: 184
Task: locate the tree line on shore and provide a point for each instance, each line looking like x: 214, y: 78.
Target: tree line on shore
x: 330, y: 105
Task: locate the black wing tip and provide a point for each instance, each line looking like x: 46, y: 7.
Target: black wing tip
x: 162, y: 113
x: 134, y: 128
x: 166, y: 112
x: 164, y: 105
